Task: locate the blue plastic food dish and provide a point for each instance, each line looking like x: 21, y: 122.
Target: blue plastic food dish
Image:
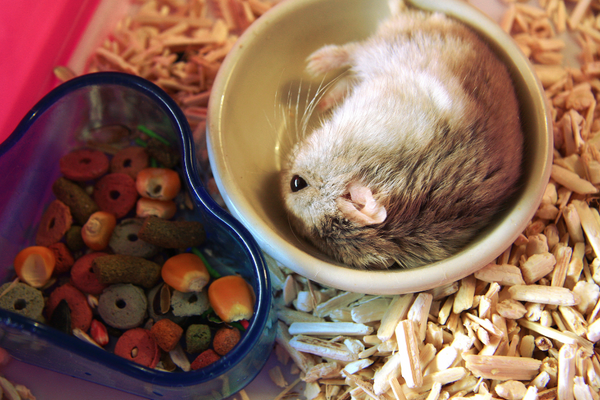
x: 29, y: 164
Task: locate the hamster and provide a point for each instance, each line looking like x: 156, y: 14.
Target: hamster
x: 422, y: 146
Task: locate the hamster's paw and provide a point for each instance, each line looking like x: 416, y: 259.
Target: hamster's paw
x: 328, y: 58
x: 338, y: 91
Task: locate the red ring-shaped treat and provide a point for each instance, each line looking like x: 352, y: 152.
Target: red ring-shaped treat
x: 55, y: 222
x: 115, y: 193
x: 84, y: 165
x: 84, y: 278
x: 138, y: 345
x: 81, y: 313
x: 64, y: 258
x: 130, y: 161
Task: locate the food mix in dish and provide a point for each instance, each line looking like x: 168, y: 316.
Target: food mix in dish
x: 114, y: 264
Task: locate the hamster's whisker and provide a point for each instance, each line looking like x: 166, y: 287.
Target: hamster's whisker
x: 292, y: 229
x: 297, y: 109
x: 316, y: 99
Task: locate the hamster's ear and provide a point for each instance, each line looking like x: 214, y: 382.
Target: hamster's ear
x: 361, y: 207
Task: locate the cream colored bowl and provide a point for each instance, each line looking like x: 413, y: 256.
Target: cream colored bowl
x: 248, y: 135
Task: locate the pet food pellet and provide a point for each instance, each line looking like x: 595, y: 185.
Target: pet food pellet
x: 98, y: 229
x: 166, y: 334
x: 81, y: 313
x: 137, y: 345
x: 61, y: 317
x: 232, y: 298
x: 55, y: 222
x: 189, y: 304
x: 130, y: 161
x: 63, y: 257
x: 83, y: 276
x: 123, y: 306
x: 116, y: 194
x: 158, y: 183
x: 205, y: 358
x: 22, y: 299
x: 115, y: 134
x: 226, y: 339
x: 75, y: 197
x: 84, y: 165
x: 34, y: 265
x: 165, y: 209
x: 118, y: 268
x: 154, y: 306
x: 185, y: 272
x: 166, y: 155
x: 197, y: 338
x: 125, y: 240
x: 172, y: 234
x: 99, y: 333
x: 73, y: 239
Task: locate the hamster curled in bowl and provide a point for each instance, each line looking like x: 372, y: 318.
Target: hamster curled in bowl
x: 421, y: 148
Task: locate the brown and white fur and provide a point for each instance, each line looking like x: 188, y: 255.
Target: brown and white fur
x: 421, y: 150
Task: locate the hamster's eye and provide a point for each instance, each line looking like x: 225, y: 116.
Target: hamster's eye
x: 298, y: 183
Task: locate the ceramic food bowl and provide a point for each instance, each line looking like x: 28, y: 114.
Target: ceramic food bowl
x: 248, y: 137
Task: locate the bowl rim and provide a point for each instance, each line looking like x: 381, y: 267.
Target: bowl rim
x: 200, y: 197
x: 379, y: 282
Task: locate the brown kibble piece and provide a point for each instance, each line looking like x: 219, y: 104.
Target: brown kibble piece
x: 55, y: 222
x: 166, y: 333
x: 75, y: 197
x: 73, y: 238
x: 226, y: 339
x: 120, y: 268
x: 172, y: 234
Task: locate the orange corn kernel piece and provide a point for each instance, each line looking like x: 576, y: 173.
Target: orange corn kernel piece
x: 34, y: 265
x: 185, y: 272
x: 146, y: 207
x: 158, y: 183
x: 231, y: 298
x: 97, y: 230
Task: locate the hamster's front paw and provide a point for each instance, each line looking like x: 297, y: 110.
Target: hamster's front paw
x: 328, y: 58
x: 338, y: 91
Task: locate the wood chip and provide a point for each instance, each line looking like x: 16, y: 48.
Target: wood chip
x: 502, y: 367
x: 323, y: 348
x: 329, y: 328
x: 544, y: 294
x: 408, y: 348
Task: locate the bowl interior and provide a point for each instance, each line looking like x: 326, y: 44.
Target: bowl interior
x: 29, y: 160
x: 255, y: 113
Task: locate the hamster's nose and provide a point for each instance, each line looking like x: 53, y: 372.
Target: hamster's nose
x: 297, y: 183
